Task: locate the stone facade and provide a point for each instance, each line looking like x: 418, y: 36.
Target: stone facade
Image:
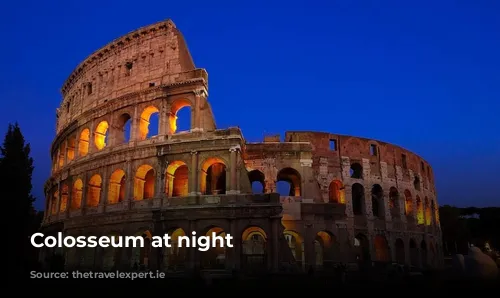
x: 346, y: 200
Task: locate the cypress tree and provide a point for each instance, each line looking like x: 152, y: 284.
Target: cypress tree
x: 16, y: 169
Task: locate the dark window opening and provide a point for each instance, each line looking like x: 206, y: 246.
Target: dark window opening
x: 152, y: 84
x: 356, y: 171
x: 422, y: 166
x: 373, y: 149
x: 403, y: 160
x: 333, y: 145
x: 89, y: 88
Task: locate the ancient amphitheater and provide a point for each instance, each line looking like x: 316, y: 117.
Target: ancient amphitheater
x: 349, y: 200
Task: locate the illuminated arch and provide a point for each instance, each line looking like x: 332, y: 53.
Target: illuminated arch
x: 83, y: 142
x: 294, y: 180
x: 420, y: 211
x: 408, y: 203
x: 213, y: 176
x: 144, y: 121
x: 77, y: 194
x: 176, y: 106
x: 144, y: 186
x: 94, y: 191
x: 336, y: 192
x: 116, y: 191
x: 177, y: 179
x: 100, y: 135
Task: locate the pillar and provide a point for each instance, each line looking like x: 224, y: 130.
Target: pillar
x: 233, y: 182
x: 129, y: 191
x: 193, y: 174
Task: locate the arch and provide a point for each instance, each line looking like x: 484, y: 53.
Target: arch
x: 324, y: 249
x: 117, y: 186
x: 378, y: 201
x: 420, y: 211
x: 144, y: 186
x: 291, y: 177
x: 213, y: 176
x: 428, y: 212
x: 54, y: 200
x: 358, y: 199
x: 177, y: 179
x: 413, y: 253
x: 83, y: 142
x: 254, y: 247
x: 64, y: 197
x: 215, y: 256
x: 416, y: 183
x: 382, y: 253
x: 94, y: 190
x: 408, y: 203
x: 101, y: 135
x: 296, y: 244
x: 71, y: 148
x: 399, y: 245
x: 362, y: 248
x: 145, y: 120
x: 336, y: 192
x: 257, y: 181
x: 356, y: 171
x: 174, y: 256
x: 140, y: 254
x: 77, y: 194
x: 176, y: 107
x: 123, y: 128
x: 394, y: 202
x: 62, y: 154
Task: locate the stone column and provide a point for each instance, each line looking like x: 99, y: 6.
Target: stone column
x: 275, y: 238
x: 134, y: 129
x: 129, y: 191
x: 233, y: 187
x: 103, y: 198
x: 59, y: 196
x: 196, y: 114
x: 306, y: 165
x: 69, y: 183
x: 83, y: 204
x: 193, y: 175
x: 160, y: 178
x: 387, y: 208
x: 236, y: 250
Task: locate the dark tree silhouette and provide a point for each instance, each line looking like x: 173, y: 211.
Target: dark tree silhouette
x: 16, y: 169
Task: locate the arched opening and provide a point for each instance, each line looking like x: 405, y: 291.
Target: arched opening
x: 413, y: 253
x: 215, y: 256
x: 428, y: 212
x: 116, y: 191
x: 296, y: 245
x: 423, y: 249
x: 101, y: 135
x: 416, y: 183
x: 149, y: 115
x: 378, y: 201
x: 123, y: 129
x: 174, y: 256
x: 76, y: 195
x: 408, y: 203
x: 64, y: 197
x: 362, y: 249
x: 180, y: 116
x: 420, y: 211
x: 254, y: 249
x: 54, y: 200
x: 336, y: 192
x: 144, y: 187
x: 62, y: 154
x: 356, y: 171
x: 140, y: 254
x: 288, y: 183
x: 213, y: 176
x: 358, y: 199
x: 177, y: 177
x: 71, y: 148
x: 109, y: 253
x: 83, y: 142
x: 94, y: 191
x: 257, y: 180
x: 324, y: 249
x: 382, y: 253
x: 400, y: 251
x: 394, y: 202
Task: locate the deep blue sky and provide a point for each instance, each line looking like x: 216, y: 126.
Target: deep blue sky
x: 424, y: 75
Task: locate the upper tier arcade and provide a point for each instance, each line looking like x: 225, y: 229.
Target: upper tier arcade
x: 155, y: 55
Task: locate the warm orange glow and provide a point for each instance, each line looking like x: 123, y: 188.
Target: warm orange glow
x: 144, y: 121
x: 64, y: 198
x: 336, y: 192
x: 71, y: 148
x: 250, y: 231
x: 296, y: 244
x: 381, y: 249
x: 326, y: 239
x: 176, y: 181
x: 83, y: 142
x: 94, y: 191
x: 408, y: 203
x: 172, y: 118
x: 176, y: 234
x: 100, y: 135
x: 62, y: 154
x: 54, y: 200
x: 428, y: 212
x: 116, y: 191
x: 420, y: 211
x: 144, y: 183
x: 220, y: 166
x: 76, y: 195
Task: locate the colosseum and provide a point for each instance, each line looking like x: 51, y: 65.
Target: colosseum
x: 294, y: 202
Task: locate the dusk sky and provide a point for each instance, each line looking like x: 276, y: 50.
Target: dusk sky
x: 424, y: 75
